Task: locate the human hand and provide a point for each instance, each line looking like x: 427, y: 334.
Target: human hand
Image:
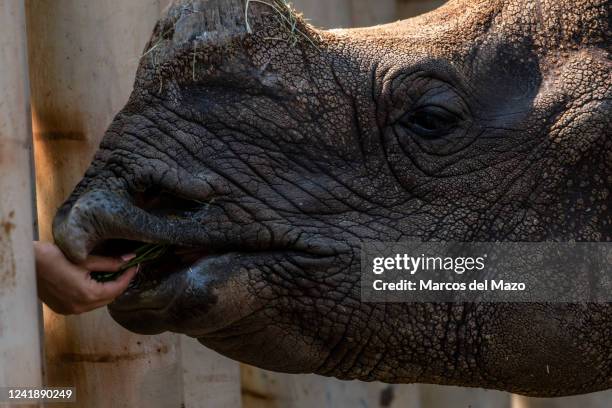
x: 68, y: 288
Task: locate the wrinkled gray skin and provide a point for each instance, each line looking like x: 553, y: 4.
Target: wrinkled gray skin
x: 276, y: 152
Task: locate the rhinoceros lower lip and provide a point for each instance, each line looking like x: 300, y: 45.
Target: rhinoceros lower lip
x: 206, y: 291
x: 158, y: 283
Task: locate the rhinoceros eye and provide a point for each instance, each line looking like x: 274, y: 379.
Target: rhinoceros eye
x: 430, y: 121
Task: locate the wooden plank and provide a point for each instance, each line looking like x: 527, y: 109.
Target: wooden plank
x: 265, y: 389
x: 346, y: 13
x: 411, y: 8
x: 325, y: 14
x: 595, y: 400
x: 20, y: 359
x: 365, y: 13
x: 83, y: 57
x: 433, y: 396
x: 209, y: 379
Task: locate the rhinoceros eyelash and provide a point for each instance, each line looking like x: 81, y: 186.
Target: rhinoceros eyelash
x: 424, y: 92
x: 430, y: 121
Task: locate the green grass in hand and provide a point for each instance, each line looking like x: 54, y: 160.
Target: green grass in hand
x: 144, y: 254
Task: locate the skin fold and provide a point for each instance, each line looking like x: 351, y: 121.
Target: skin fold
x: 271, y: 149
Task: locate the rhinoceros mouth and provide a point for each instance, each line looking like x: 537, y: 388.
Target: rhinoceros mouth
x: 187, y: 281
x: 173, y: 258
x: 169, y: 259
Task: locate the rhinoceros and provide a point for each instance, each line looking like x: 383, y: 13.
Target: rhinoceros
x: 261, y: 151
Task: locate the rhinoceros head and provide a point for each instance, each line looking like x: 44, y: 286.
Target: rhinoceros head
x: 262, y: 151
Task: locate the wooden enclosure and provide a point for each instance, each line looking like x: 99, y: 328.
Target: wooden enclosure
x: 82, y: 58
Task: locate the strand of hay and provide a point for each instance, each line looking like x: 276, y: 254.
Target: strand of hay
x: 287, y: 16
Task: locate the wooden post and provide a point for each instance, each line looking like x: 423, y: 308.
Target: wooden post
x: 83, y: 55
x: 20, y: 360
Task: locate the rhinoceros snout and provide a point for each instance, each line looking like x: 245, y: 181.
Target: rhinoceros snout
x: 101, y: 215
x: 96, y: 215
